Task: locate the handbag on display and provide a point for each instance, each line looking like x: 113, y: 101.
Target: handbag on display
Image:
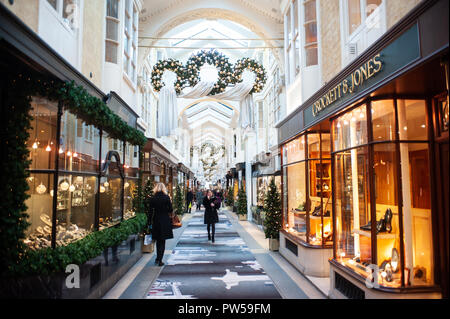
x: 176, y: 222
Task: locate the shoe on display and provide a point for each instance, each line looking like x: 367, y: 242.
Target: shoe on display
x: 367, y: 226
x: 388, y: 220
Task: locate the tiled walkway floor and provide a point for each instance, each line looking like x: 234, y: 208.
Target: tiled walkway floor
x: 237, y: 265
x: 198, y: 268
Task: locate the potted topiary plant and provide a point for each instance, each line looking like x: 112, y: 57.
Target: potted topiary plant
x: 273, y: 216
x: 242, y: 203
x: 178, y: 202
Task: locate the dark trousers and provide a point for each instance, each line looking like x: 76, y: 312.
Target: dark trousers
x: 160, y: 247
x: 199, y: 205
x: 213, y: 230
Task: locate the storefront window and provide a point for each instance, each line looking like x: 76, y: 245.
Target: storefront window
x: 399, y: 173
x: 42, y: 141
x: 350, y: 129
x: 39, y: 209
x: 75, y: 208
x: 79, y: 148
x: 352, y: 207
x: 307, y: 194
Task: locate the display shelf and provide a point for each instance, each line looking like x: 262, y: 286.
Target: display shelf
x: 367, y: 233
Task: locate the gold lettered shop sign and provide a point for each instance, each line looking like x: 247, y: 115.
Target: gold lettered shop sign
x: 349, y: 85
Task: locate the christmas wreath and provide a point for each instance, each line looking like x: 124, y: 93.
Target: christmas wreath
x: 255, y: 67
x: 171, y: 65
x: 214, y: 58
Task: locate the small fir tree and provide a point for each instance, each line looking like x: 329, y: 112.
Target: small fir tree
x: 148, y: 194
x: 178, y: 200
x: 242, y: 201
x: 272, y: 208
x: 229, y: 200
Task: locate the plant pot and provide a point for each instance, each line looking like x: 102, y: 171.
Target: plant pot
x: 147, y: 248
x: 274, y: 244
x: 242, y: 216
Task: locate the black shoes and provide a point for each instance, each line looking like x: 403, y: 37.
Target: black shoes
x: 213, y: 239
x: 316, y: 211
x: 383, y: 225
x: 159, y: 262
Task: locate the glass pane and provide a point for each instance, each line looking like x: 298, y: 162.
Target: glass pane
x: 388, y: 232
x: 296, y: 197
x: 288, y: 20
x: 53, y: 3
x: 42, y: 140
x: 297, y: 55
x: 130, y: 192
x: 310, y: 10
x: 110, y: 198
x: 416, y: 192
x: 371, y: 6
x: 110, y: 52
x: 294, y: 151
x: 68, y: 8
x: 412, y: 119
x: 112, y: 30
x: 295, y: 17
x: 350, y: 129
x: 326, y: 145
x: 319, y: 191
x: 313, y: 145
x: 131, y: 161
x: 77, y: 152
x: 354, y: 15
x: 75, y: 209
x: 311, y: 55
x: 443, y: 113
x: 39, y: 209
x: 112, y: 8
x: 383, y: 119
x: 352, y: 208
x: 310, y: 33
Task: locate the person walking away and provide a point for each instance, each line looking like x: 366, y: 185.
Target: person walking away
x: 189, y: 199
x: 160, y: 214
x: 199, y: 196
x: 210, y: 217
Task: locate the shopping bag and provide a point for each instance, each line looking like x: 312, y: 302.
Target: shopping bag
x: 148, y: 239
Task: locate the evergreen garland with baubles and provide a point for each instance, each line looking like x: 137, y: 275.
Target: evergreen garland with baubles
x: 242, y: 201
x: 272, y: 208
x: 178, y: 200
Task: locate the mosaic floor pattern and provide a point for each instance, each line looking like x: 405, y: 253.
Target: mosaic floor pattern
x: 199, y: 269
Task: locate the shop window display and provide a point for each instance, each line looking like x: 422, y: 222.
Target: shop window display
x: 307, y: 195
x: 75, y: 208
x: 131, y: 169
x: 399, y: 173
x: 39, y: 210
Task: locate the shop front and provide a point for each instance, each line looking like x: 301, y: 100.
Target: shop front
x: 371, y: 152
x: 73, y: 175
x: 157, y: 165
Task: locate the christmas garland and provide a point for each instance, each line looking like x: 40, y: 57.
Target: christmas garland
x: 189, y: 75
x: 253, y: 66
x: 170, y: 65
x: 214, y: 58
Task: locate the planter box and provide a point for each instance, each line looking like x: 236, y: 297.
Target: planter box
x: 242, y: 217
x: 97, y: 276
x: 274, y: 244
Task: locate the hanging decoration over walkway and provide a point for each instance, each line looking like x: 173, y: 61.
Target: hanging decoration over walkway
x: 170, y: 78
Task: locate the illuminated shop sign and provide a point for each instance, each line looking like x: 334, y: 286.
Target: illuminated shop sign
x: 349, y: 85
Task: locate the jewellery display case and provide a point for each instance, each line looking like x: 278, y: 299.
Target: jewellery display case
x: 382, y: 192
x: 86, y: 182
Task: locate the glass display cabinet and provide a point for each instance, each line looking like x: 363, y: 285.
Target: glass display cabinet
x: 87, y: 184
x: 382, y: 199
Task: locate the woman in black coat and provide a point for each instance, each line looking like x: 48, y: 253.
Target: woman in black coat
x: 160, y: 218
x: 211, y: 217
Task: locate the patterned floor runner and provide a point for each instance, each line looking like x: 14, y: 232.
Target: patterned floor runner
x: 200, y: 269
